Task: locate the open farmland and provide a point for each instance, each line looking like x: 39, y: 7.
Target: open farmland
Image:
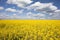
x: 29, y: 29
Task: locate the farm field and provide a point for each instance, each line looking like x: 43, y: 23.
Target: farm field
x: 29, y: 29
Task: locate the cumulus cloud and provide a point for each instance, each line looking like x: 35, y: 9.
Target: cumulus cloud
x: 20, y: 11
x: 32, y: 14
x: 3, y: 16
x: 42, y: 6
x: 36, y: 16
x: 7, y: 16
x: 44, y: 10
x: 10, y: 10
x: 51, y: 11
x: 19, y: 3
x: 1, y: 8
x: 57, y: 11
x: 14, y: 14
x: 56, y: 14
x: 14, y: 10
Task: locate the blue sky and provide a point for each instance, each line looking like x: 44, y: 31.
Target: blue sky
x: 29, y: 9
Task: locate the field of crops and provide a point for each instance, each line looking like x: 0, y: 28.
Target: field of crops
x: 29, y: 29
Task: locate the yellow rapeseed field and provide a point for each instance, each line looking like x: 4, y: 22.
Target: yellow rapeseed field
x: 29, y: 29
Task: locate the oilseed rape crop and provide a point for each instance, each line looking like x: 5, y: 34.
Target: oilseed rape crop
x: 29, y: 29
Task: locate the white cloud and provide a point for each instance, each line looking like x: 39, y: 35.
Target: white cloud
x: 4, y: 16
x: 42, y: 6
x: 29, y: 13
x: 52, y: 7
x: 14, y: 14
x: 50, y: 13
x: 56, y: 14
x: 7, y: 16
x: 20, y: 11
x: 1, y: 15
x: 19, y: 3
x: 40, y: 14
x: 1, y: 8
x: 57, y: 11
x: 14, y: 10
x: 35, y: 16
x: 45, y: 9
x: 10, y: 10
